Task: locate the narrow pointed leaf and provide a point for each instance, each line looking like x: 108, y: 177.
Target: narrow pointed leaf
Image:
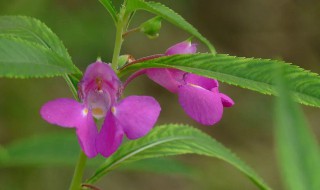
x: 54, y: 150
x: 169, y: 15
x: 297, y: 148
x: 170, y: 140
x: 23, y: 59
x: 251, y: 73
x: 110, y: 8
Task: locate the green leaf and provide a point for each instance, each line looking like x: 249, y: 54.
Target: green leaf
x: 170, y: 140
x: 22, y: 59
x: 54, y: 150
x: 32, y: 32
x: 111, y: 9
x: 155, y: 165
x: 250, y: 73
x: 46, y: 150
x: 297, y: 148
x: 169, y: 15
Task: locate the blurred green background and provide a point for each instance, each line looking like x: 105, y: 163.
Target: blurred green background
x: 283, y: 29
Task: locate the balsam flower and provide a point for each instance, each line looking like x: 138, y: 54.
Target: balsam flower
x: 99, y: 92
x: 199, y: 96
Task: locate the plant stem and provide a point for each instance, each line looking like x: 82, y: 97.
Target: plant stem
x: 121, y: 25
x: 78, y: 172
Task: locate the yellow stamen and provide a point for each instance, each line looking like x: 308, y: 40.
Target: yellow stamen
x: 97, y: 111
x: 85, y: 111
x: 113, y: 110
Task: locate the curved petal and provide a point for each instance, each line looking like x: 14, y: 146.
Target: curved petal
x: 226, y: 100
x: 185, y: 47
x: 110, y: 136
x: 137, y: 115
x: 201, y: 81
x: 70, y: 113
x: 200, y: 104
x: 99, y: 76
x: 87, y: 133
x: 101, y: 70
x: 170, y: 79
x: 63, y: 112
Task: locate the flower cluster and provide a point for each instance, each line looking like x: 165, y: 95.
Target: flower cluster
x: 199, y: 96
x: 134, y: 116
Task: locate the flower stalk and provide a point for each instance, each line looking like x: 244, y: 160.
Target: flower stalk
x: 120, y: 27
x: 78, y: 172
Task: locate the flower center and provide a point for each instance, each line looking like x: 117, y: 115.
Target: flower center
x: 99, y: 102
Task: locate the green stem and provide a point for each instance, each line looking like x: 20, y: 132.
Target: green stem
x: 117, y: 45
x: 121, y: 26
x: 78, y: 172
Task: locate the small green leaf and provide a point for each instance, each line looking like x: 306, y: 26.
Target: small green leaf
x: 170, y: 140
x: 297, y: 148
x: 151, y: 27
x: 250, y: 73
x: 23, y: 59
x: 169, y: 15
x: 111, y: 9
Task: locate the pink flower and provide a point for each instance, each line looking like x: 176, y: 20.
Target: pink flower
x: 99, y: 91
x: 199, y: 96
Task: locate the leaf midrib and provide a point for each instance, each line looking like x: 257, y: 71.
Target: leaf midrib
x: 138, y: 150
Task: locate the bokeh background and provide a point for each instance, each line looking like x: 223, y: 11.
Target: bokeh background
x: 281, y: 29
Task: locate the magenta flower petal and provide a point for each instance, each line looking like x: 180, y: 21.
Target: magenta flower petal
x: 70, y: 113
x: 185, y: 47
x: 201, y: 81
x: 87, y: 133
x: 170, y: 79
x: 226, y: 100
x: 64, y: 112
x: 200, y: 104
x: 110, y: 136
x: 137, y: 115
x: 99, y: 77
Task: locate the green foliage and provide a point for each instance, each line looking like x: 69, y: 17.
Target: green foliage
x: 63, y: 150
x: 250, y: 73
x: 297, y: 148
x: 111, y: 9
x: 47, y: 55
x: 169, y: 15
x: 170, y: 140
x: 151, y: 27
x: 21, y: 59
x: 46, y: 150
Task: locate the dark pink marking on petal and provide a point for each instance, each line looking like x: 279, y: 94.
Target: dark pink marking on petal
x: 137, y: 115
x: 87, y: 133
x: 99, y: 76
x: 185, y: 47
x: 110, y: 136
x: 63, y: 112
x: 201, y: 81
x: 226, y: 100
x: 200, y: 104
